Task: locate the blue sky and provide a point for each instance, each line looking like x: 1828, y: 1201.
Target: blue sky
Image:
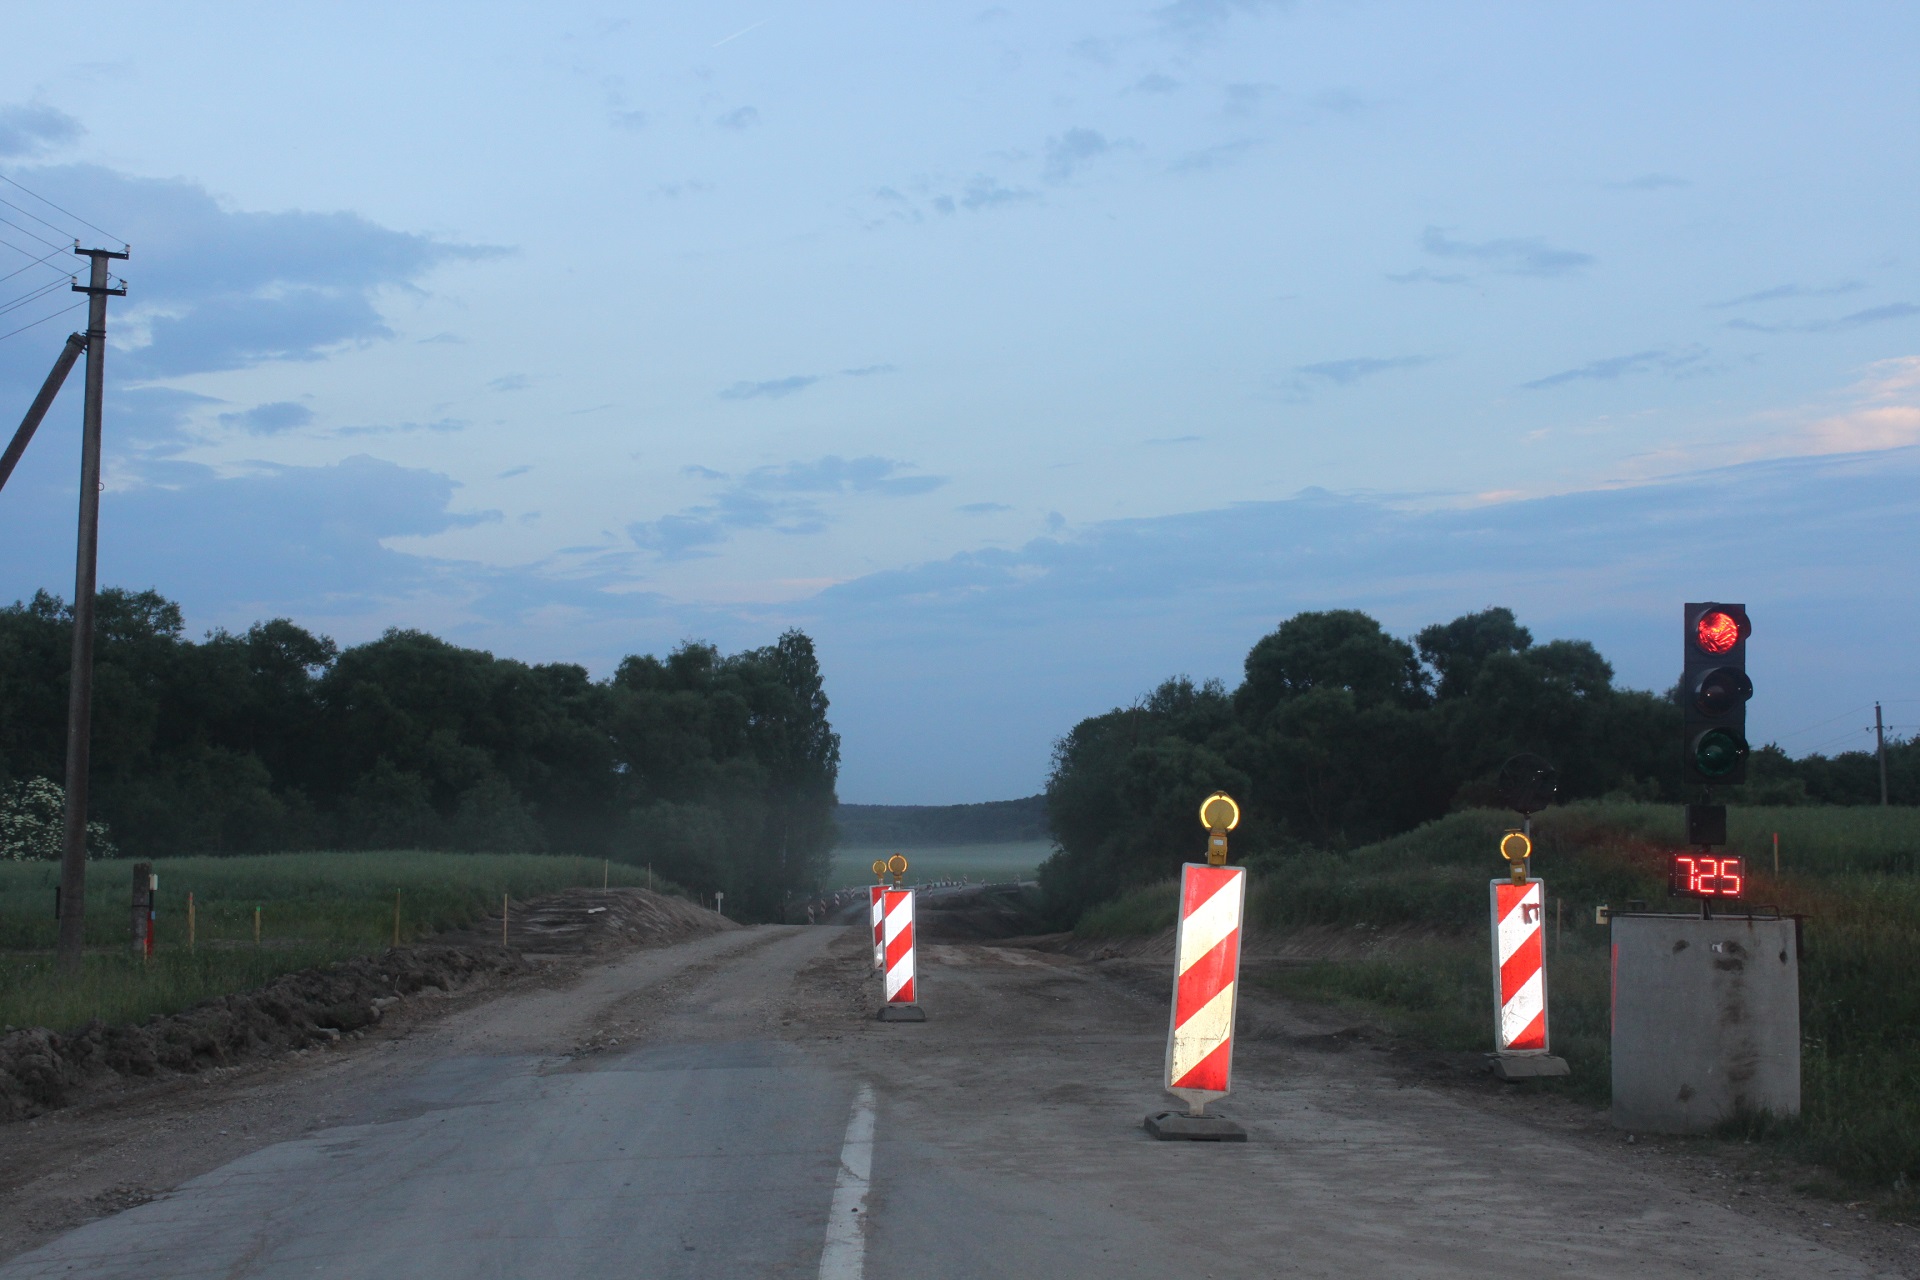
x: 1024, y: 356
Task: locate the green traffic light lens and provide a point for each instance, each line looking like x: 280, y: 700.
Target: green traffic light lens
x: 1717, y: 751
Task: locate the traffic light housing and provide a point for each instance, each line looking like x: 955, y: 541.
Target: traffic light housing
x: 1714, y: 689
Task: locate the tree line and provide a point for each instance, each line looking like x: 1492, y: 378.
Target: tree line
x: 1340, y: 734
x: 718, y: 770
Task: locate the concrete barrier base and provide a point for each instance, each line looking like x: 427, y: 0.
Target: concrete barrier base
x: 1171, y: 1125
x: 901, y: 1013
x: 1525, y: 1066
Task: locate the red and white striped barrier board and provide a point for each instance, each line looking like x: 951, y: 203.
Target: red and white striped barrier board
x: 1519, y: 967
x: 898, y: 905
x: 878, y: 915
x: 1206, y: 983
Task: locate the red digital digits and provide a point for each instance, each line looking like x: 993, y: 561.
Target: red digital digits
x: 1703, y: 877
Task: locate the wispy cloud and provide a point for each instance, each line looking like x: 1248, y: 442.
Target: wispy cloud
x: 1788, y: 292
x: 771, y: 389
x: 1514, y: 255
x: 1651, y: 182
x: 29, y: 128
x: 1347, y: 372
x: 1613, y: 368
x: 1218, y: 156
x: 510, y: 382
x: 1194, y: 19
x: 1067, y: 153
x: 270, y: 419
x: 1155, y: 82
x: 983, y: 508
x: 786, y: 498
x: 511, y: 472
x: 1858, y: 319
x: 870, y: 370
x: 439, y: 426
x: 739, y: 118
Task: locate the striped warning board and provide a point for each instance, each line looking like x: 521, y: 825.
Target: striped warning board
x: 1519, y: 967
x: 898, y: 925
x: 1206, y: 983
x: 877, y: 914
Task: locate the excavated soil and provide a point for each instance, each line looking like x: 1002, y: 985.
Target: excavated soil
x: 41, y: 1070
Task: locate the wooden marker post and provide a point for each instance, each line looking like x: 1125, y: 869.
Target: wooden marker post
x: 256, y: 926
x: 190, y: 923
x: 503, y: 919
x: 396, y: 917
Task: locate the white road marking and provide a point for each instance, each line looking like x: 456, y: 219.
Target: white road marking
x: 845, y: 1257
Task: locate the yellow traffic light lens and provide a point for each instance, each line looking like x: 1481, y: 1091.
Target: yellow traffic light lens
x: 897, y: 864
x: 1514, y: 846
x: 1219, y: 812
x: 879, y: 867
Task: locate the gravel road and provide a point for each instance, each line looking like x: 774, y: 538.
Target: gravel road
x: 727, y: 1107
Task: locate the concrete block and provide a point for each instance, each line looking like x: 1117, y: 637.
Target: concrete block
x: 1171, y: 1125
x: 1526, y: 1066
x: 902, y: 1013
x: 1706, y: 1020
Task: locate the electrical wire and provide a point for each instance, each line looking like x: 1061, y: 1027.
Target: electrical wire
x: 54, y: 227
x: 70, y: 213
x: 42, y: 320
x: 25, y: 232
x: 31, y: 265
x: 25, y: 298
x: 1824, y: 723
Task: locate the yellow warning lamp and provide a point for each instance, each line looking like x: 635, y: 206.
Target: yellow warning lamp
x: 1516, y: 848
x: 897, y: 867
x: 1219, y: 815
x: 879, y: 868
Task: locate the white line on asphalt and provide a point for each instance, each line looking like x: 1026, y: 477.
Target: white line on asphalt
x: 845, y: 1257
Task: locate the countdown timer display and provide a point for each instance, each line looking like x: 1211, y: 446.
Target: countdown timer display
x: 1696, y: 875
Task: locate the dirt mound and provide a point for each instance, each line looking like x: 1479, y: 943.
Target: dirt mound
x: 585, y: 921
x: 975, y: 914
x: 41, y: 1069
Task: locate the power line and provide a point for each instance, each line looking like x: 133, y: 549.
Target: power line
x: 30, y: 296
x: 42, y: 320
x: 31, y: 265
x: 25, y: 232
x: 1824, y: 723
x: 51, y: 226
x: 70, y: 213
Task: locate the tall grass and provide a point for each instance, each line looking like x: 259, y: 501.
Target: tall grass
x: 313, y: 907
x: 1850, y: 871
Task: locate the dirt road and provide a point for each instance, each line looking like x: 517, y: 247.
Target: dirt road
x: 728, y: 1107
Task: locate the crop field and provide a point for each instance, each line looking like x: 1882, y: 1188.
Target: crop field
x: 312, y: 907
x: 1014, y: 860
x: 1851, y: 871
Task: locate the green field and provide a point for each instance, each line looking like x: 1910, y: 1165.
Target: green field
x: 313, y: 907
x: 1851, y: 870
x: 991, y: 862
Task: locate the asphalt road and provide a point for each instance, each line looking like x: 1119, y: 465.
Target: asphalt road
x: 728, y: 1108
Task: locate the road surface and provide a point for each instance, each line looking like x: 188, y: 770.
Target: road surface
x: 727, y: 1107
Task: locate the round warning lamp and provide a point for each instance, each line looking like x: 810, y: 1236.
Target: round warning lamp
x: 1515, y: 847
x: 1219, y: 812
x: 1717, y: 751
x: 1716, y: 632
x: 1722, y: 690
x: 897, y: 864
x: 879, y: 866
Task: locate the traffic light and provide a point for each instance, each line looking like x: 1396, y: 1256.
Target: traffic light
x: 1713, y: 694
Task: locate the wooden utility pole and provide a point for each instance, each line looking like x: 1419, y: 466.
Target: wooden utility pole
x: 41, y: 403
x: 1880, y: 749
x: 73, y: 861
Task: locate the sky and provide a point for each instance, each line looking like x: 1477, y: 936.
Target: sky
x: 1022, y: 356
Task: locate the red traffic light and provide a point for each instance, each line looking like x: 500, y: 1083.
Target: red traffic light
x: 1717, y: 631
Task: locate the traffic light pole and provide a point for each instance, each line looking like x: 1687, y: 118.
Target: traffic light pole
x: 73, y: 859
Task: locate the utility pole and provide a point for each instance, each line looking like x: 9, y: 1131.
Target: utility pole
x: 1880, y: 749
x: 73, y: 860
x: 41, y: 403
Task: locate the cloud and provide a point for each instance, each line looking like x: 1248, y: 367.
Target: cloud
x: 628, y: 121
x: 1218, y: 156
x: 1245, y: 99
x: 1422, y: 275
x: 869, y: 370
x: 1175, y: 439
x: 1067, y: 153
x: 510, y: 382
x: 1781, y: 292
x: 1520, y: 256
x: 702, y: 473
x: 1155, y: 82
x: 1612, y: 368
x: 771, y: 389
x: 1193, y: 19
x: 511, y: 472
x: 1872, y: 315
x: 1347, y: 372
x: 988, y: 193
x: 270, y: 419
x: 983, y: 508
x: 440, y: 426
x: 29, y: 128
x: 739, y: 118
x: 216, y: 288
x: 784, y: 498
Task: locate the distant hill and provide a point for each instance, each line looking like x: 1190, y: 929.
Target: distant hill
x: 864, y: 826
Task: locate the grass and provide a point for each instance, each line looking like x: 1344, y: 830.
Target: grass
x: 314, y: 907
x: 1851, y: 871
x: 1013, y: 860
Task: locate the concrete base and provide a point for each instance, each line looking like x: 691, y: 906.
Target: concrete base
x: 1170, y: 1125
x: 901, y: 1013
x: 1525, y: 1066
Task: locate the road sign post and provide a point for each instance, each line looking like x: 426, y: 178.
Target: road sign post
x: 901, y: 977
x: 1521, y: 1047
x: 1206, y: 985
